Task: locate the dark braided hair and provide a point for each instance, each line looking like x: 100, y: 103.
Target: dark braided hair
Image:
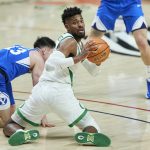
x: 69, y: 12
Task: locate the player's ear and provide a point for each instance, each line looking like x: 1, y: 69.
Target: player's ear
x: 42, y: 50
x: 45, y: 50
x: 66, y: 26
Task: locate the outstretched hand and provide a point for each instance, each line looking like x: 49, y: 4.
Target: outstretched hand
x: 45, y: 123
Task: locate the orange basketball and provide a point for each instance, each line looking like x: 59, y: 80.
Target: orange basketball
x: 101, y: 53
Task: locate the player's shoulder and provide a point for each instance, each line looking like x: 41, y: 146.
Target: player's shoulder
x: 34, y: 53
x: 65, y: 36
x: 65, y: 40
x: 35, y: 59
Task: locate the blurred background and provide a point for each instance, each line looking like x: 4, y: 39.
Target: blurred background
x: 21, y: 21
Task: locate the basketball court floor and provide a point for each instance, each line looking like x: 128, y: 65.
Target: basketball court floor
x: 115, y: 97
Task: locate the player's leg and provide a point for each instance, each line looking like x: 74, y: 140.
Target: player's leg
x: 12, y: 101
x: 17, y: 133
x: 75, y: 114
x: 141, y: 40
x: 95, y: 34
x: 14, y: 128
x: 4, y: 116
x: 104, y: 20
x: 4, y: 102
x: 30, y: 113
x: 11, y: 127
x: 135, y: 23
x: 12, y: 109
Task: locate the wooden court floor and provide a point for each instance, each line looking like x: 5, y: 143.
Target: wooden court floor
x: 115, y: 97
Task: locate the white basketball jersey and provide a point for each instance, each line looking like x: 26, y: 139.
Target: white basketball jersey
x: 54, y: 70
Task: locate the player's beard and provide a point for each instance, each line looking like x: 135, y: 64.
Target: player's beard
x: 78, y: 36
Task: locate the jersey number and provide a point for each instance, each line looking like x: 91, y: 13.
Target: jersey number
x: 18, y: 51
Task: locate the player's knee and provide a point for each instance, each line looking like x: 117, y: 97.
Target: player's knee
x: 4, y: 108
x: 4, y: 117
x: 5, y: 130
x: 2, y: 123
x: 10, y: 127
x: 142, y: 43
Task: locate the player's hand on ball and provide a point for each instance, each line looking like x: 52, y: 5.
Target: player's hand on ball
x: 100, y: 53
x: 90, y: 46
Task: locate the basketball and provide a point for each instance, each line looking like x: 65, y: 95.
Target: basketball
x: 101, y: 53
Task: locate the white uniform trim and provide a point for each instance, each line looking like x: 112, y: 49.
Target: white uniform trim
x: 138, y: 23
x: 99, y: 25
x: 24, y: 62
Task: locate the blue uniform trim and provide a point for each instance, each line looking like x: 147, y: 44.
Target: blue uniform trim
x: 142, y: 27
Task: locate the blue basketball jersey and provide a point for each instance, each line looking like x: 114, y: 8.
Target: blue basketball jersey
x: 15, y: 61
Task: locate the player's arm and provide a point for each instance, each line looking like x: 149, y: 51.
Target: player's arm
x: 37, y: 66
x: 64, y: 56
x: 69, y: 48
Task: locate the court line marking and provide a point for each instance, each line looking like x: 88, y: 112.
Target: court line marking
x: 40, y: 3
x: 106, y: 113
x: 114, y: 104
x: 96, y: 111
x: 97, y: 101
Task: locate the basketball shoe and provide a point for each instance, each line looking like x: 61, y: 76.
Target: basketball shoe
x: 97, y: 139
x: 21, y: 137
x: 148, y: 89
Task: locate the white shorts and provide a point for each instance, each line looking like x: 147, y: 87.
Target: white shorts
x: 48, y: 96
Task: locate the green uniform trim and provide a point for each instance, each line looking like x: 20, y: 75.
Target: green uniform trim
x: 25, y: 119
x: 71, y: 76
x: 79, y: 118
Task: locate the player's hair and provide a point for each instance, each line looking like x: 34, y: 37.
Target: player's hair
x: 44, y: 41
x: 69, y: 12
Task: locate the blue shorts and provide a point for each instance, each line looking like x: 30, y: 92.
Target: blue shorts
x: 109, y: 11
x: 6, y: 95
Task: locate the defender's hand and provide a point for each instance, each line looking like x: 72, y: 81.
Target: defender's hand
x: 45, y: 123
